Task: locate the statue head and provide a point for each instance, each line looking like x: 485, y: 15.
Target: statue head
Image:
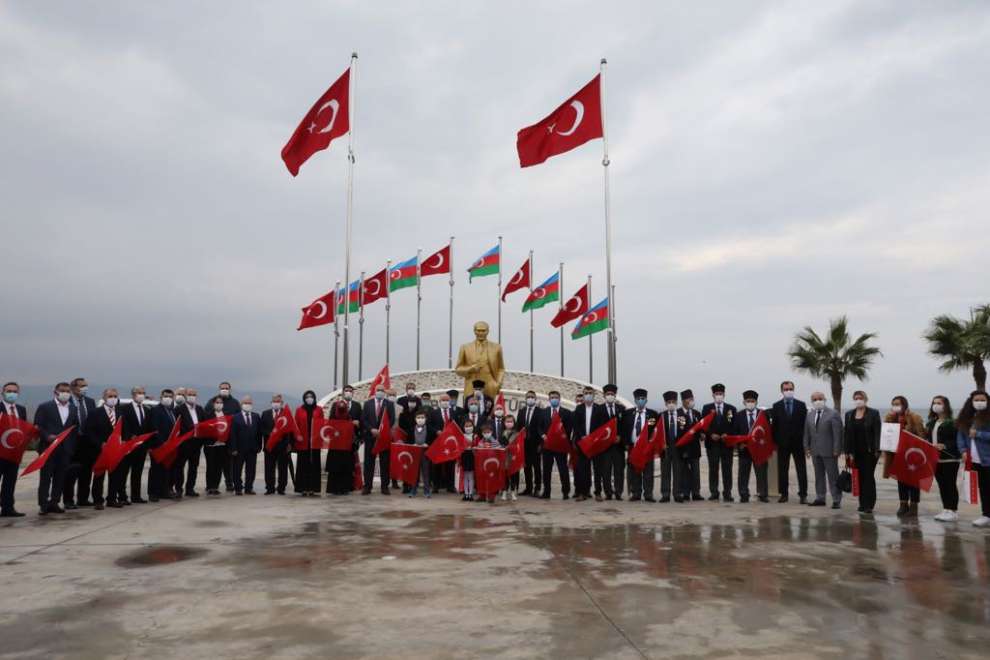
x: 481, y: 331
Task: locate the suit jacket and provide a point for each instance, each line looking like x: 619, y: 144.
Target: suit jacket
x: 788, y: 430
x: 723, y: 423
x: 870, y: 444
x: 245, y: 438
x: 691, y: 450
x: 90, y: 407
x: 98, y: 426
x: 580, y: 427
x: 566, y: 418
x: 436, y: 417
x: 533, y: 428
x: 21, y: 410
x: 131, y: 427
x: 826, y: 439
x: 186, y: 423
x: 478, y: 421
x: 49, y: 422
x: 627, y: 425
x: 369, y: 420
x: 162, y: 419
x: 231, y: 406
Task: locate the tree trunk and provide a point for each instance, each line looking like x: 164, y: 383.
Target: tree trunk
x: 980, y: 375
x: 837, y: 393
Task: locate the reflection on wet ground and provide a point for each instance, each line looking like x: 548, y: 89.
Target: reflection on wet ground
x: 159, y: 555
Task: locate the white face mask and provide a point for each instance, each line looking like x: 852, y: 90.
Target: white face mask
x: 225, y: 392
x: 979, y: 405
x: 530, y: 401
x: 410, y: 392
x: 247, y: 407
x: 938, y: 408
x: 468, y: 431
x: 750, y: 405
x: 348, y: 396
x: 818, y: 404
x: 180, y: 398
x: 609, y: 398
x: 897, y: 409
x: 393, y: 398
x: 444, y: 404
x: 64, y: 397
x: 499, y: 414
x: 719, y: 398
x: 788, y: 394
x: 112, y: 401
x: 671, y: 406
x: 276, y: 405
x: 310, y: 400
x: 138, y: 398
x: 167, y: 401
x: 859, y: 403
x: 487, y: 435
x: 191, y: 399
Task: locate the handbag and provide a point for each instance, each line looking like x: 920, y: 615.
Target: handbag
x: 845, y: 481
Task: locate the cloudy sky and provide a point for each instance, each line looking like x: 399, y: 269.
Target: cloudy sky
x: 774, y: 165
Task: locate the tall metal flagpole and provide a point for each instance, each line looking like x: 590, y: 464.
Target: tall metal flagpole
x: 591, y: 346
x: 560, y: 307
x: 336, y: 335
x: 388, y: 307
x: 419, y: 301
x: 361, y: 326
x: 350, y: 213
x: 531, y: 273
x: 450, y: 322
x: 608, y: 237
x: 499, y: 292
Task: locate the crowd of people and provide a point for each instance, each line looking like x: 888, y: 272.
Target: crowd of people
x: 801, y: 433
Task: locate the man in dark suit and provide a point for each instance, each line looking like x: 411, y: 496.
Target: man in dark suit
x: 79, y: 474
x: 547, y: 417
x: 719, y: 455
x: 610, y: 465
x: 244, y: 445
x: 788, y: 416
x: 99, y: 427
x: 632, y: 423
x: 588, y: 416
x: 231, y: 406
x: 437, y: 418
x: 51, y: 418
x: 137, y: 421
x: 670, y: 470
x: 277, y: 460
x: 744, y: 423
x: 186, y: 466
x: 402, y: 402
x: 371, y: 420
x: 163, y: 420
x: 528, y: 418
x: 8, y: 469
x: 474, y: 413
x: 689, y: 456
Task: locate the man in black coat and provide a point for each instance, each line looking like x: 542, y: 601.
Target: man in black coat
x: 137, y: 421
x: 443, y: 473
x: 549, y: 413
x: 52, y: 418
x: 277, y: 460
x: 472, y: 412
x: 719, y: 455
x: 788, y: 416
x: 163, y: 420
x: 244, y: 445
x: 186, y: 466
x: 610, y: 465
x: 670, y: 462
x: 631, y: 426
x: 588, y: 416
x: 371, y: 420
x: 99, y: 427
x: 744, y: 423
x: 79, y: 474
x: 689, y: 455
x: 528, y: 418
x: 231, y: 406
x: 9, y: 469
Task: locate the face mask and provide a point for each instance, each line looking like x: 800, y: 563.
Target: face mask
x: 554, y: 403
x: 225, y: 393
x: 111, y: 401
x: 479, y: 393
x: 420, y: 421
x: 63, y: 397
x: 588, y: 398
x: 500, y: 414
x: 410, y: 392
x: 689, y: 404
x: 719, y: 398
x: 180, y: 398
x: 444, y: 404
x: 218, y: 408
x: 83, y: 389
x: 167, y: 401
x: 247, y: 407
x: 859, y: 403
x: 191, y: 399
x: 509, y: 425
x: 348, y: 396
x: 138, y: 398
x: 469, y: 431
x: 276, y: 405
x: 788, y: 394
x: 487, y: 435
x: 380, y: 395
x: 309, y: 400
x: 10, y: 397
x: 393, y: 398
x: 671, y: 406
x: 609, y: 398
x: 750, y: 405
x: 897, y: 409
x: 818, y: 404
x: 938, y: 408
x: 979, y: 405
x: 640, y: 403
x: 473, y: 407
x: 530, y: 401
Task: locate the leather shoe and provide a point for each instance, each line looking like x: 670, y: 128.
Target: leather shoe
x: 71, y: 507
x: 54, y: 508
x: 678, y: 499
x: 98, y: 507
x: 782, y: 499
x: 649, y: 499
x: 713, y: 498
x: 764, y: 499
x: 697, y: 498
x: 191, y: 493
x: 115, y: 505
x: 11, y: 514
x: 598, y: 498
x: 565, y: 497
x: 728, y: 498
x: 835, y: 505
x: 84, y: 503
x: 618, y: 498
x: 743, y: 499
x: 545, y: 496
x: 817, y: 503
x: 664, y: 499
x: 139, y: 500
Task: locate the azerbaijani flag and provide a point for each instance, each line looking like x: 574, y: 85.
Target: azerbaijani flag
x: 488, y: 264
x: 594, y: 321
x: 354, y: 295
x: 402, y: 275
x: 547, y: 292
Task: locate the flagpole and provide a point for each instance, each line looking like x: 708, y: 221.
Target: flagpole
x: 360, y: 369
x: 336, y: 334
x: 531, y: 271
x: 419, y: 301
x: 608, y: 236
x: 560, y: 308
x: 450, y: 322
x: 591, y: 346
x: 388, y: 307
x: 498, y: 293
x: 350, y: 213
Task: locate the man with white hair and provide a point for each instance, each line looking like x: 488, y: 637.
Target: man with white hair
x: 823, y: 444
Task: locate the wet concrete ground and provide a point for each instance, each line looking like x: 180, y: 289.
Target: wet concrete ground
x: 393, y: 577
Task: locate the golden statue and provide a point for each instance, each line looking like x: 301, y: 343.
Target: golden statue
x: 481, y: 360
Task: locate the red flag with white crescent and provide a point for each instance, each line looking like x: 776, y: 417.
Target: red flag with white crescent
x: 646, y: 446
x: 517, y: 453
x: 335, y: 434
x: 556, y: 439
x: 15, y: 434
x: 169, y: 450
x: 970, y: 483
x: 109, y: 450
x: 358, y: 473
x: 449, y: 444
x: 216, y: 428
x: 489, y: 470
x: 915, y: 461
x: 521, y: 280
x: 575, y: 307
x: 39, y: 462
x: 328, y: 119
x: 404, y: 462
x: 317, y: 313
x: 375, y: 287
x: 698, y: 427
x: 384, y: 439
x: 381, y: 379
x: 285, y: 425
x: 576, y: 121
x: 600, y: 439
x: 437, y: 263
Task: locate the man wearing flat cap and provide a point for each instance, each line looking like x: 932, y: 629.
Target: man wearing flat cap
x: 689, y: 456
x: 632, y: 424
x: 670, y: 460
x: 744, y: 423
x: 719, y: 455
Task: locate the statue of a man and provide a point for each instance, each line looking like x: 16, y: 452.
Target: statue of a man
x: 481, y: 360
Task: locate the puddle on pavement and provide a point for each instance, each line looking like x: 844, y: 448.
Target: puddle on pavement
x: 159, y: 556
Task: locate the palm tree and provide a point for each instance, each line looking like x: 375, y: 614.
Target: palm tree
x: 962, y: 344
x: 834, y: 357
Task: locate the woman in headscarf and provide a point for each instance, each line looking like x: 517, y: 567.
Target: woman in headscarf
x: 340, y: 463
x: 307, y: 458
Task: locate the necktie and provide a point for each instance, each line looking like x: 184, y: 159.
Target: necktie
x: 787, y: 405
x: 13, y: 411
x: 671, y: 424
x: 750, y: 420
x: 83, y: 412
x: 378, y: 410
x: 818, y: 418
x: 529, y: 415
x: 140, y: 415
x: 446, y: 416
x: 247, y: 419
x: 112, y: 414
x: 638, y: 428
x: 611, y: 413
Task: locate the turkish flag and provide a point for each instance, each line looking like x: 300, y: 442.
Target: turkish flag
x: 216, y: 428
x: 915, y: 461
x: 335, y: 434
x: 760, y: 443
x: 329, y: 118
x: 970, y: 483
x: 319, y: 312
x: 499, y: 402
x: 285, y: 424
x: 384, y: 439
x: 358, y: 473
x: 600, y: 439
x: 437, y: 263
x: 698, y: 427
x: 404, y: 462
x: 646, y: 447
x: 521, y: 280
x: 575, y: 307
x: 39, y: 462
x: 15, y: 434
x: 169, y: 450
x: 517, y: 453
x: 574, y: 122
x: 448, y: 445
x: 381, y: 379
x: 375, y: 287
x: 489, y: 471
x: 110, y: 449
x: 556, y: 439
